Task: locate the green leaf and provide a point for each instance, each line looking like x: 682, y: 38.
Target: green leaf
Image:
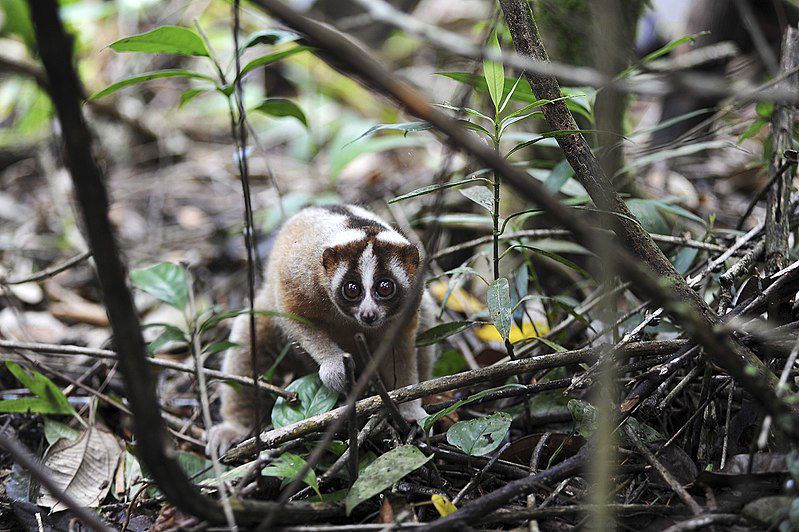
x: 287, y: 467
x: 661, y: 52
x: 440, y: 332
x: 508, y: 97
x: 561, y: 173
x: 494, y: 74
x: 764, y: 109
x: 554, y: 256
x: 170, y: 334
x: 55, y: 430
x: 499, y: 306
x: 141, y: 78
x: 282, y: 107
x: 270, y: 37
x: 407, y: 127
x: 475, y: 127
x: 165, y: 281
x: 478, y: 437
x: 384, y: 472
x: 428, y: 421
x: 467, y: 110
x: 432, y: 188
x: 189, y: 94
x: 314, y: 398
x: 49, y: 398
x: 647, y: 213
x: 521, y: 91
x: 271, y: 58
x: 449, y: 363
x: 216, y: 347
x: 164, y: 40
x: 684, y: 259
x: 483, y: 196
x: 752, y: 130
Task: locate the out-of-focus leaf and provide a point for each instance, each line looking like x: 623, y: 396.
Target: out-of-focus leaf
x: 163, y: 40
x: 314, y: 398
x: 478, y: 437
x: 270, y: 37
x: 660, y: 52
x: 169, y: 334
x: 384, y: 472
x: 440, y: 332
x: 499, y: 306
x: 684, y: 259
x: 449, y: 363
x: 189, y: 94
x: 165, y: 281
x: 268, y: 59
x: 406, y: 127
x: 83, y: 468
x: 141, y: 78
x: 54, y: 431
x: 49, y: 398
x: 282, y: 107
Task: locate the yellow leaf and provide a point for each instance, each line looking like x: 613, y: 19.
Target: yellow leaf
x: 489, y: 333
x: 443, y: 505
x: 459, y: 300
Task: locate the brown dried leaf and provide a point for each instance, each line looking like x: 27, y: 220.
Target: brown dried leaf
x: 84, y: 467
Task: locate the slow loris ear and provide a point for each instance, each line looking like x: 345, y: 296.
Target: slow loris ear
x: 330, y: 257
x: 409, y: 258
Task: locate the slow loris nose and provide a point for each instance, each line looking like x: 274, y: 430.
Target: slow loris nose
x: 369, y: 316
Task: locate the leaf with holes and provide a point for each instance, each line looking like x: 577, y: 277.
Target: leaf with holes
x: 282, y: 107
x: 384, y: 472
x: 478, y: 437
x: 314, y: 398
x: 499, y: 306
x: 163, y: 40
x: 165, y: 281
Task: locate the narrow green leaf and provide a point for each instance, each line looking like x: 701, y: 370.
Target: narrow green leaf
x: 494, y: 74
x: 165, y: 281
x: 164, y: 40
x: 478, y: 437
x: 440, y: 332
x: 217, y: 347
x: 499, y: 306
x: 660, y: 52
x: 432, y: 188
x: 476, y: 127
x: 169, y: 334
x: 271, y: 58
x: 314, y: 398
x: 428, y: 422
x: 189, y: 94
x: 49, y: 398
x: 282, y: 107
x: 467, y: 110
x: 407, y: 127
x: 384, y: 472
x: 141, y: 78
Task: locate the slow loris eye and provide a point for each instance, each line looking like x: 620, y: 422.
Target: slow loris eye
x: 385, y: 288
x: 351, y: 290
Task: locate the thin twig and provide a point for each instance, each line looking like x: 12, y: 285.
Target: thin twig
x: 50, y: 271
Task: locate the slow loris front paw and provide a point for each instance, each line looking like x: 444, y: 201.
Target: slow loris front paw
x: 333, y: 375
x: 224, y: 436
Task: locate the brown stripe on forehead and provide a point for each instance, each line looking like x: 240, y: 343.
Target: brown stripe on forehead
x: 406, y: 254
x: 370, y: 227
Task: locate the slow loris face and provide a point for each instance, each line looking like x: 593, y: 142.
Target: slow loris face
x: 370, y: 267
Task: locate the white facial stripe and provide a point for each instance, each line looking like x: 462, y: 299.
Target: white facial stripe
x: 399, y: 272
x: 392, y: 237
x: 345, y: 237
x: 338, y: 276
x: 368, y: 265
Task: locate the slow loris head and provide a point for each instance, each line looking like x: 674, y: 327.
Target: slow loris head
x: 370, y: 268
